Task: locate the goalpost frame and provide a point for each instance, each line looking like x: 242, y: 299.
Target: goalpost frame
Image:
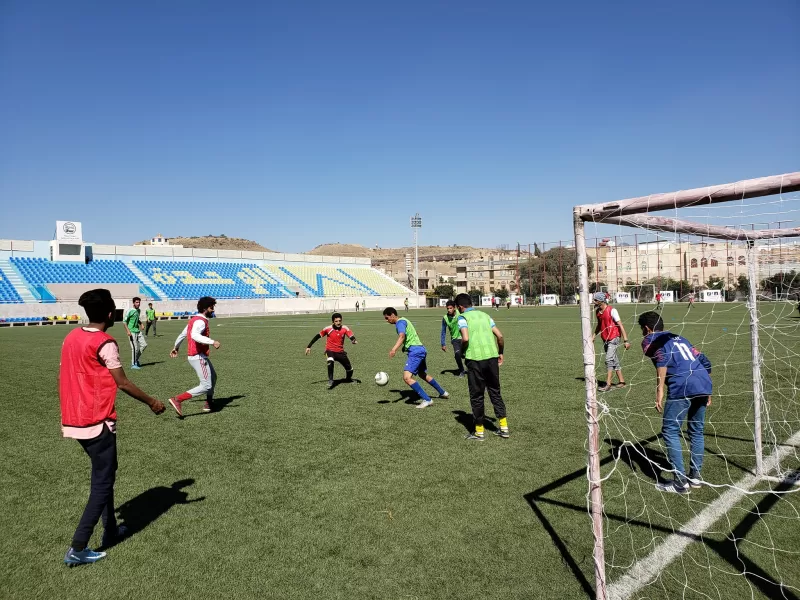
x: 628, y: 212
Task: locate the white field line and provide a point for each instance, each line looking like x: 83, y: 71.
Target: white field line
x: 646, y: 570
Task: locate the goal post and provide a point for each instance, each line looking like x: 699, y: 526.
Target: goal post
x: 635, y: 212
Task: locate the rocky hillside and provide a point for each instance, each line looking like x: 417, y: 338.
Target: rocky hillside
x: 426, y: 253
x: 217, y: 242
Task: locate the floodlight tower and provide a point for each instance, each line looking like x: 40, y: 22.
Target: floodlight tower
x: 416, y: 224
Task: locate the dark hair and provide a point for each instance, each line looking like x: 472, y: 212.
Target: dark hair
x: 335, y: 316
x: 135, y: 298
x: 652, y: 320
x: 464, y: 300
x: 205, y: 302
x: 149, y: 304
x: 389, y: 311
x: 98, y: 304
x: 450, y: 303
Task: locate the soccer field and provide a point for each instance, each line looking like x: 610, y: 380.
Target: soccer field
x: 294, y: 491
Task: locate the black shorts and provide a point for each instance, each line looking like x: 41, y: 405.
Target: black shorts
x: 340, y: 357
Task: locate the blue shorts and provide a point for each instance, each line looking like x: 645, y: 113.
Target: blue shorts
x: 415, y: 363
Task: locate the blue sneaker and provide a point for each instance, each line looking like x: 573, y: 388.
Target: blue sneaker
x: 86, y: 556
x: 135, y: 367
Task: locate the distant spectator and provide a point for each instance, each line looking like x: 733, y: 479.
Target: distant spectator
x: 151, y: 320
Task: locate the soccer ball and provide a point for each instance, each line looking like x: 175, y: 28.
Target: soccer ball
x: 381, y: 378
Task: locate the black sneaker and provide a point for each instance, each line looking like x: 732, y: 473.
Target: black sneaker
x: 503, y: 433
x: 474, y: 437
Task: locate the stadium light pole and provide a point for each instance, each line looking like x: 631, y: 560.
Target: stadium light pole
x: 416, y: 224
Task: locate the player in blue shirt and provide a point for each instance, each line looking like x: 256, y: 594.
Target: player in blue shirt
x: 685, y: 372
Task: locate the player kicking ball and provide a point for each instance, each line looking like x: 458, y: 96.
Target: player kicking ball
x: 334, y: 347
x: 409, y: 341
x: 199, y: 342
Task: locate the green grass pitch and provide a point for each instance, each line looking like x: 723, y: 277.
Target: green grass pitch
x: 292, y: 491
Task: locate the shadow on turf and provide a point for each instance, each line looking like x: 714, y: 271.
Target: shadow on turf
x: 140, y: 511
x: 407, y: 396
x: 155, y: 362
x: 337, y: 382
x: 467, y: 422
x: 453, y: 372
x: 219, y: 405
x: 727, y: 549
x: 639, y: 457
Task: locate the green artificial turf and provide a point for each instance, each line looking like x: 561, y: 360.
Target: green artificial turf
x: 291, y: 490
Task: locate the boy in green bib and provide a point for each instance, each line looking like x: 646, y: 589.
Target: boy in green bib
x: 409, y: 341
x: 450, y: 324
x: 482, y: 344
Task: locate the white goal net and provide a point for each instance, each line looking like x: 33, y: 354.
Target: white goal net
x: 725, y: 261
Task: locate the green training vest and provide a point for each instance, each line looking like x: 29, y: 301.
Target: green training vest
x: 452, y: 325
x: 412, y: 339
x: 151, y: 315
x: 481, y: 344
x: 132, y: 320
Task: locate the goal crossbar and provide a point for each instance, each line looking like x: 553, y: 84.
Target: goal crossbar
x: 700, y: 229
x: 740, y: 190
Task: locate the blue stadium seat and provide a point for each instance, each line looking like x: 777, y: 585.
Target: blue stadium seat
x: 39, y: 271
x: 8, y: 294
x: 190, y: 280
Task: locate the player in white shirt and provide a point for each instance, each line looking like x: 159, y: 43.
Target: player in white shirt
x: 199, y: 342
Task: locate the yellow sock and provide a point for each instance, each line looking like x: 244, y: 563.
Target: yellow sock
x: 504, y: 423
x: 478, y: 429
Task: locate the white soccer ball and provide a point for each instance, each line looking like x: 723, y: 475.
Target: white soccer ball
x: 381, y: 378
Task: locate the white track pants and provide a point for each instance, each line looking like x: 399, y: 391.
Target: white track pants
x: 207, y: 375
x: 138, y: 344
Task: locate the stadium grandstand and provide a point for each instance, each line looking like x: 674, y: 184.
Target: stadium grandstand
x: 42, y: 278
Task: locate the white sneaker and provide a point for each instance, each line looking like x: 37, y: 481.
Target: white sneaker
x: 444, y: 396
x: 425, y: 404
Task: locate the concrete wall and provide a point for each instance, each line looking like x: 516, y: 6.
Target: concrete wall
x: 67, y: 292
x: 224, y: 307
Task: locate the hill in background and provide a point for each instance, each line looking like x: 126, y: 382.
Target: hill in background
x: 426, y: 253
x: 216, y: 242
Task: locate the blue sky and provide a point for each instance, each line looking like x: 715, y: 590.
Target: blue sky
x: 295, y: 124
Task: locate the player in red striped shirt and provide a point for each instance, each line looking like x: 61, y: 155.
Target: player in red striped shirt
x: 334, y: 347
x: 199, y: 343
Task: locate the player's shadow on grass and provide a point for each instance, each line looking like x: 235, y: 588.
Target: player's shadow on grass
x: 407, y: 396
x: 338, y: 382
x: 218, y: 405
x: 454, y: 372
x: 142, y: 510
x: 467, y: 422
x: 639, y: 457
x: 150, y: 364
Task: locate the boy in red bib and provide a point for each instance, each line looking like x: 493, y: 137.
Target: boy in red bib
x: 89, y: 376
x: 610, y: 328
x: 198, y: 341
x: 334, y: 347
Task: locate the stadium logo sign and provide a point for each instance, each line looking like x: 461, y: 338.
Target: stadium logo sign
x: 68, y: 231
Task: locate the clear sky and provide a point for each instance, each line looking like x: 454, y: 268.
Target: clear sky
x: 300, y: 123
